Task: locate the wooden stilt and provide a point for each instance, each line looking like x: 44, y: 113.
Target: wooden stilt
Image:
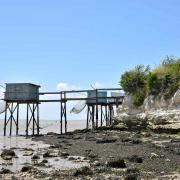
x: 5, y: 119
x: 37, y: 118
x: 27, y: 119
x: 61, y: 115
x: 96, y: 108
x: 33, y: 123
x: 106, y: 114
x: 17, y: 119
x: 65, y: 117
x: 11, y: 118
x: 101, y: 115
x: 87, y: 121
x: 93, y: 114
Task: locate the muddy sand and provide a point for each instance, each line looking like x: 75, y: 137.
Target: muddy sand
x: 107, y: 154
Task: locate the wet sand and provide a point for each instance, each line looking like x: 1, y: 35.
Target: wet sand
x: 110, y: 154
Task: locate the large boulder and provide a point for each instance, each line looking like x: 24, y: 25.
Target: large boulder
x: 116, y: 163
x: 132, y: 121
x: 156, y: 113
x: 149, y: 103
x: 162, y: 117
x: 158, y: 119
x: 7, y: 154
x: 128, y: 107
x: 176, y: 99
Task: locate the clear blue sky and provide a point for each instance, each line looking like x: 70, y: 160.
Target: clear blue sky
x: 81, y: 42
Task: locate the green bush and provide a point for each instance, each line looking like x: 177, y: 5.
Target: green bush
x: 168, y: 77
x: 163, y: 81
x: 152, y: 82
x: 138, y: 98
x: 134, y: 80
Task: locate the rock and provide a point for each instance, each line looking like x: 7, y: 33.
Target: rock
x: 175, y: 140
x: 177, y: 151
x: 76, y: 137
x: 35, y: 157
x: 90, y: 138
x: 131, y: 177
x: 96, y: 163
x: 26, y: 168
x: 106, y: 140
x: 64, y: 154
x: 92, y: 155
x: 83, y: 171
x: 146, y: 134
x: 55, y: 146
x: 28, y: 149
x: 8, y: 154
x: 176, y: 98
x: 133, y: 170
x: 128, y: 107
x: 135, y: 159
x: 14, y: 178
x: 28, y: 154
x: 64, y: 141
x: 149, y: 103
x: 47, y: 155
x: 102, y: 169
x: 64, y: 136
x: 71, y: 158
x: 82, y: 131
x: 52, y: 134
x: 7, y: 158
x: 154, y: 155
x: 136, y: 141
x: 116, y: 163
x: 5, y: 171
x: 124, y: 140
x: 133, y: 122
x: 69, y: 144
x: 157, y: 120
x: 132, y: 174
x: 88, y: 150
x: 42, y: 163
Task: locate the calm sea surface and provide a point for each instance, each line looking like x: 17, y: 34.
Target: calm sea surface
x: 46, y: 126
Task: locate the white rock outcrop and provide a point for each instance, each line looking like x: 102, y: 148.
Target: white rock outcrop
x: 155, y: 113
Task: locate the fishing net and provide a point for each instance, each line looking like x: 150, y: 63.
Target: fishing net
x: 2, y: 106
x: 78, y: 107
x: 2, y: 102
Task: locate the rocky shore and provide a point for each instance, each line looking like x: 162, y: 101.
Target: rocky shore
x: 109, y: 154
x: 143, y: 143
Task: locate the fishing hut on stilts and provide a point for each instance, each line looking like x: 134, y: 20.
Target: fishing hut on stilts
x: 101, y: 108
x: 17, y: 94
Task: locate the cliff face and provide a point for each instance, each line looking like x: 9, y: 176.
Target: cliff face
x: 156, y: 114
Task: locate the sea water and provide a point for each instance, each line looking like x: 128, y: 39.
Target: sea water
x: 45, y: 126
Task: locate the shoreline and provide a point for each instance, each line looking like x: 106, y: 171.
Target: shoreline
x: 111, y: 153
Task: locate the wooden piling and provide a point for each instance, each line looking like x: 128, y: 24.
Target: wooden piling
x: 5, y: 119
x: 27, y: 118
x: 17, y: 119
